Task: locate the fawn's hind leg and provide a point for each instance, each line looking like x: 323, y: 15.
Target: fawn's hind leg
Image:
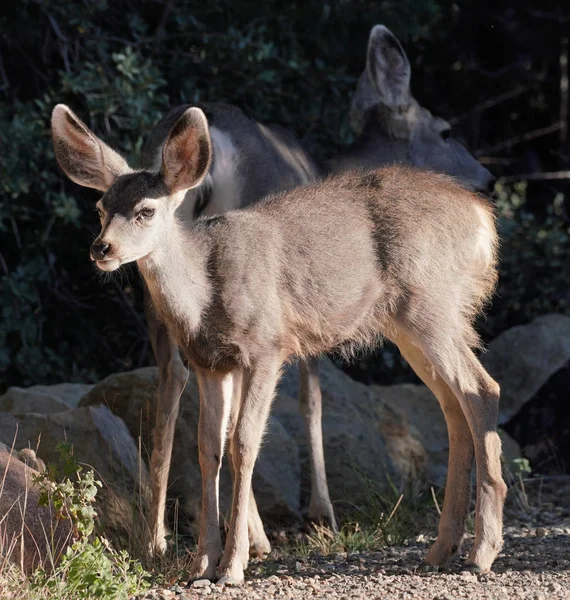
x: 461, y: 452
x: 478, y: 396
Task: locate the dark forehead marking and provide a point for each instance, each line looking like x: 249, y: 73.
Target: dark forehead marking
x: 128, y: 190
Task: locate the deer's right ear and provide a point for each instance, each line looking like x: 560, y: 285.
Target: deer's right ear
x: 187, y: 153
x: 388, y: 67
x: 385, y: 80
x: 85, y: 158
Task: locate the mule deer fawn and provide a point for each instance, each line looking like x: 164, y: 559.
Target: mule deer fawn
x: 399, y: 253
x: 392, y: 126
x: 234, y: 180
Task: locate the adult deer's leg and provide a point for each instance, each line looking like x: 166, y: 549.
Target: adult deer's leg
x: 461, y: 452
x: 478, y: 396
x: 215, y: 405
x: 172, y: 377
x: 258, y: 388
x: 258, y: 543
x: 310, y: 399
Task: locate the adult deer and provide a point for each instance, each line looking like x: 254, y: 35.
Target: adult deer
x: 399, y: 253
x: 391, y: 126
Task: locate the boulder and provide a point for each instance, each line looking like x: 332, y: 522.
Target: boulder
x: 131, y: 396
x: 42, y: 399
x: 368, y: 441
x: 424, y: 413
x: 30, y: 535
x: 101, y: 441
x: 523, y: 358
x: 365, y: 438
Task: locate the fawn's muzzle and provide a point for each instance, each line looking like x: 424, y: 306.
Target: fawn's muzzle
x: 99, y: 250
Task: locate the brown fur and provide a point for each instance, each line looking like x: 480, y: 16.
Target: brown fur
x: 405, y: 254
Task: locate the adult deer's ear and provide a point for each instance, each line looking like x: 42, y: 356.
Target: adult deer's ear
x: 385, y: 80
x: 388, y: 67
x: 187, y: 153
x: 85, y: 158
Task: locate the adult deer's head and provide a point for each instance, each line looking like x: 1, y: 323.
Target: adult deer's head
x: 393, y: 127
x: 137, y: 207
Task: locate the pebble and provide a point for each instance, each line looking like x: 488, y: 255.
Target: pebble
x: 201, y: 583
x: 534, y: 565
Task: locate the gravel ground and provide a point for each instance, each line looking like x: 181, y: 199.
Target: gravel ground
x: 534, y: 565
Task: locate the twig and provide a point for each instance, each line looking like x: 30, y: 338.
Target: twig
x: 435, y: 500
x: 489, y: 103
x: 3, y: 264
x: 16, y: 233
x: 536, y: 176
x: 492, y: 160
x: 563, y: 90
x: 540, y: 14
x: 525, y: 137
x: 393, y: 510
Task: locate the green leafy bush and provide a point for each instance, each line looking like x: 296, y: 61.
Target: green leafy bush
x: 90, y: 568
x: 120, y: 65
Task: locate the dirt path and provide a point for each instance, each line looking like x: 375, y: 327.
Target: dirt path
x: 534, y: 565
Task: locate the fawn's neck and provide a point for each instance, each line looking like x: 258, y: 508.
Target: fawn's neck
x: 176, y: 276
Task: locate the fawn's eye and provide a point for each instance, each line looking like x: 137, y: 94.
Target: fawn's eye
x: 445, y: 134
x: 145, y: 213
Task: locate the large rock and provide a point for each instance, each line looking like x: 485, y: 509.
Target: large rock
x: 30, y: 535
x: 368, y: 440
x: 424, y: 413
x: 131, y: 396
x: 43, y: 399
x: 365, y: 437
x: 523, y: 358
x: 101, y: 441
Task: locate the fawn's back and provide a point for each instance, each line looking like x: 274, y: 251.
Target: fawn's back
x: 348, y: 259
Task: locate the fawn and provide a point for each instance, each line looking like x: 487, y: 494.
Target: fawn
x: 398, y: 253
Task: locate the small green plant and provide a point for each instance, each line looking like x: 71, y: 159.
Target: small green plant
x: 90, y: 567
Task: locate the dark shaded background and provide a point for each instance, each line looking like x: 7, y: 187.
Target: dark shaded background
x: 495, y: 69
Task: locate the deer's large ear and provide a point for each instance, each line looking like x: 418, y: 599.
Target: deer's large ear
x: 187, y: 153
x: 85, y: 158
x: 386, y: 79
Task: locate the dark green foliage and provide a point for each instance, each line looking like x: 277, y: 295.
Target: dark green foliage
x: 121, y: 64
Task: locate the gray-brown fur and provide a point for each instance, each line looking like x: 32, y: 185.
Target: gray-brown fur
x: 284, y: 164
x: 264, y: 288
x: 234, y: 179
x: 399, y: 253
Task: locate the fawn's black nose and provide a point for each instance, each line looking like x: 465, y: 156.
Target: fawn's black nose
x: 99, y: 249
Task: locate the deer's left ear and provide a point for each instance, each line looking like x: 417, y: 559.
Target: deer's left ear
x: 187, y: 153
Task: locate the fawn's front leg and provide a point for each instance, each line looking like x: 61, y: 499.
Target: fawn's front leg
x: 215, y: 403
x: 259, y: 383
